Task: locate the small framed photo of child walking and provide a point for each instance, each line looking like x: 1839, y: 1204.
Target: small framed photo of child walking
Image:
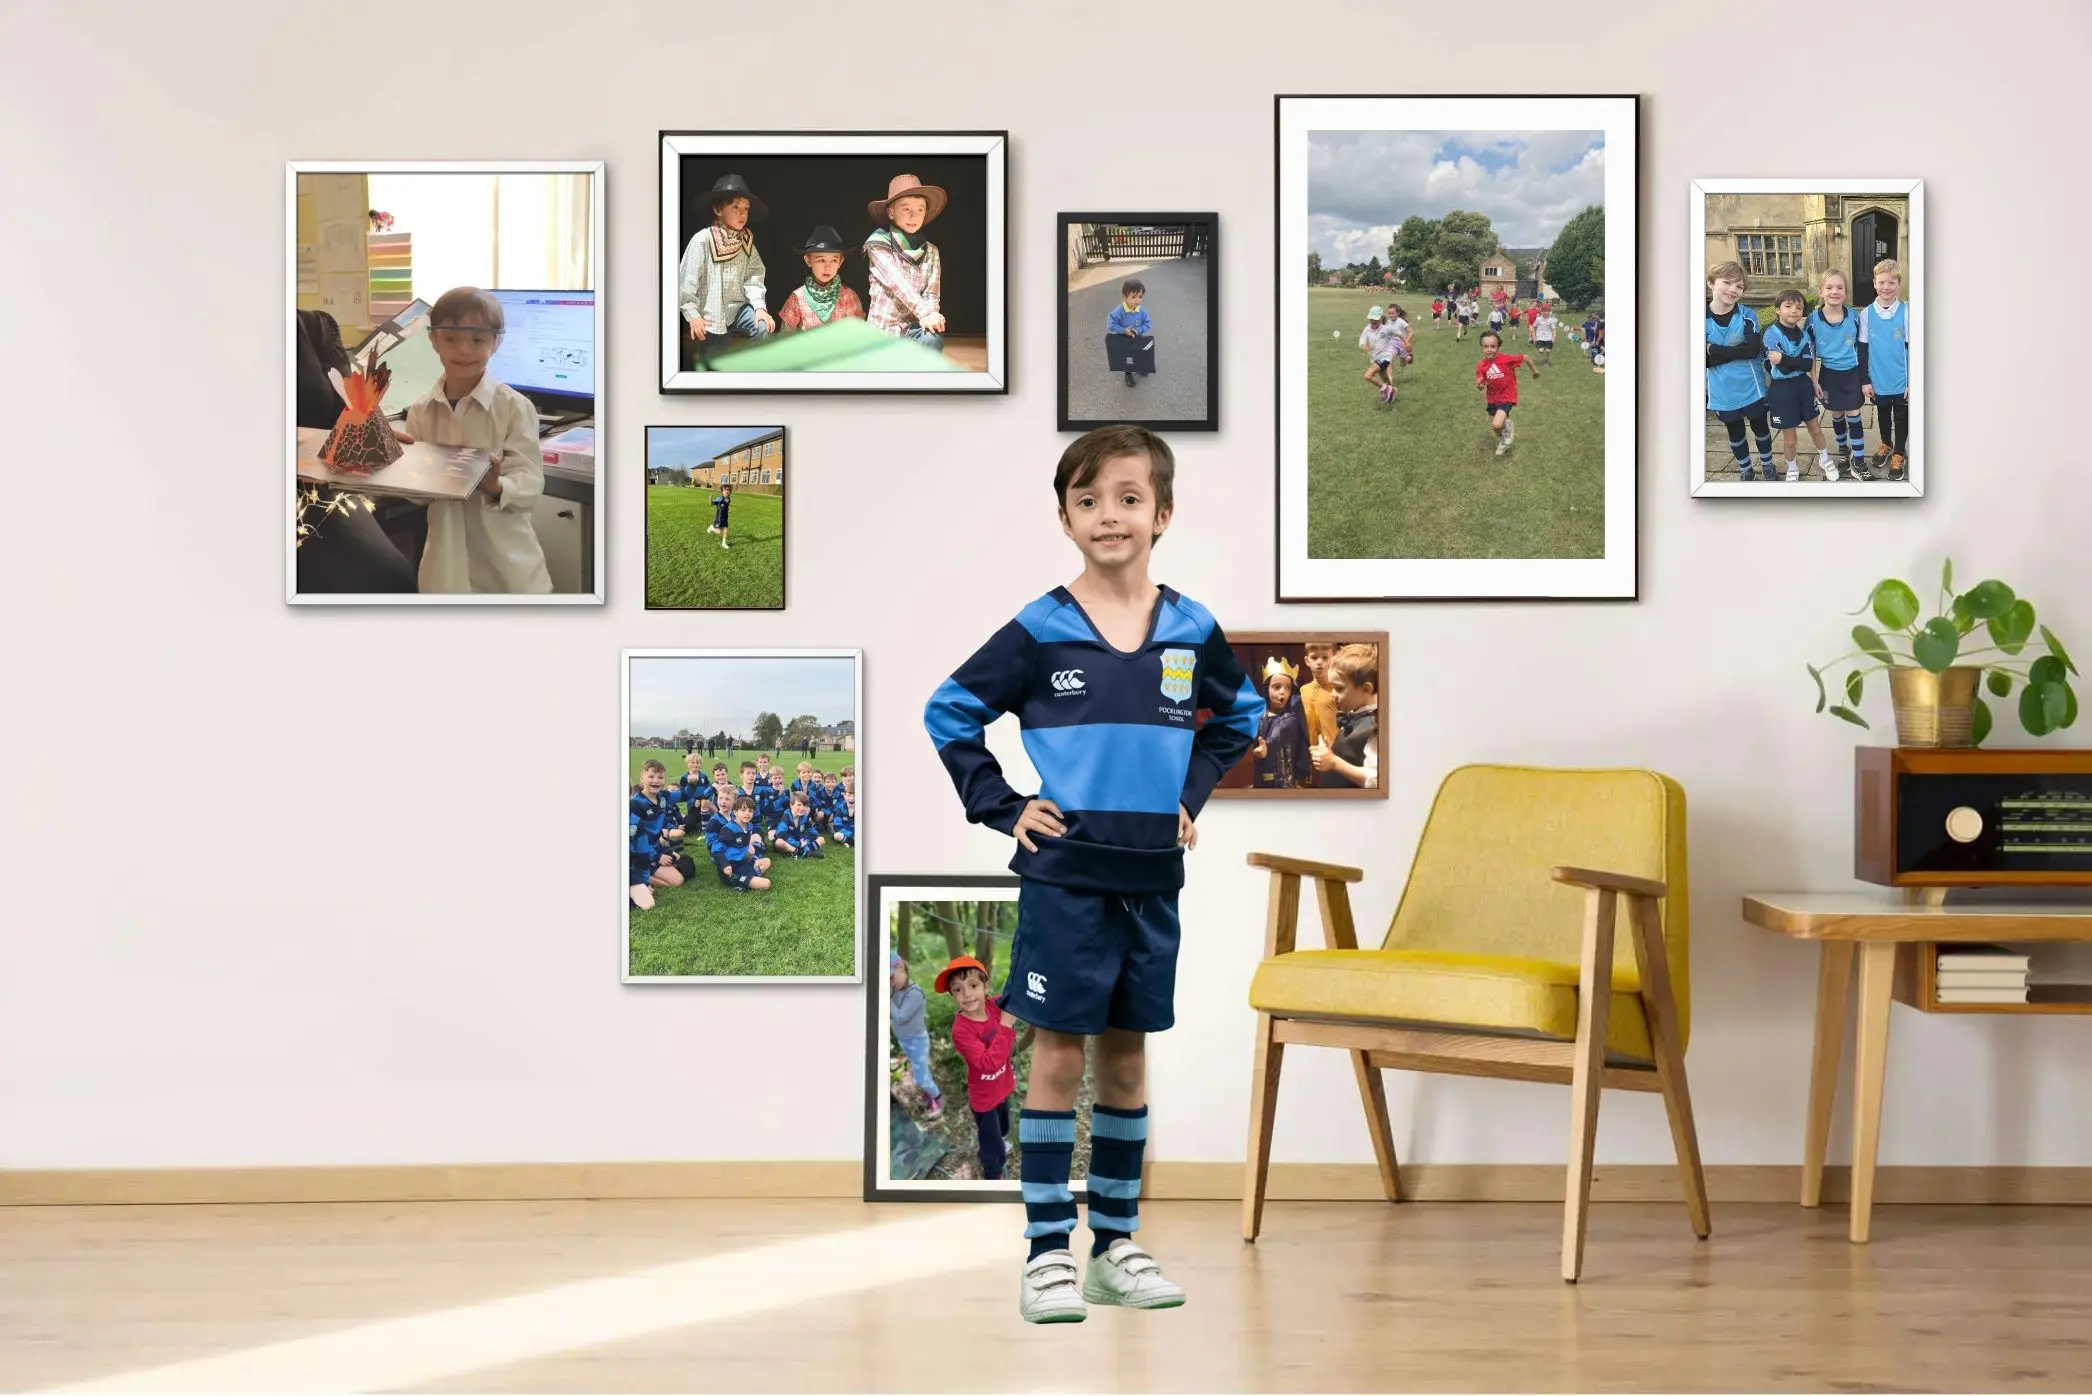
x: 1139, y: 321
x: 1456, y: 335
x: 1321, y: 735
x: 834, y: 262
x: 947, y: 1054
x: 1807, y: 352
x: 715, y: 518
x: 742, y: 772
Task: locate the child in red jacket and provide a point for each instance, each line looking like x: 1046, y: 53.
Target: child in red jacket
x: 985, y: 1037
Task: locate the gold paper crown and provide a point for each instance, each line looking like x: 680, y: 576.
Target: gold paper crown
x: 1275, y: 666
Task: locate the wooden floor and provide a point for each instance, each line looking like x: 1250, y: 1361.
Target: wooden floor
x: 826, y: 1296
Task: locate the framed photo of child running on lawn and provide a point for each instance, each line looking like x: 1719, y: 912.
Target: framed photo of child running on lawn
x: 834, y: 262
x: 1140, y: 321
x: 946, y: 1069
x: 1321, y: 735
x: 1457, y: 350
x: 742, y: 772
x: 1807, y: 352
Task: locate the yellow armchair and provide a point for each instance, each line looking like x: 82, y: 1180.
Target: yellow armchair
x: 1501, y: 961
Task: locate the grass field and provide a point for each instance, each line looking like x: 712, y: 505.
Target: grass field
x: 1419, y: 478
x: 687, y: 569
x: 806, y: 924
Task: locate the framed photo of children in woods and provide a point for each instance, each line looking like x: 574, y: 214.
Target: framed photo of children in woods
x: 742, y: 772
x: 1322, y: 734
x: 826, y: 262
x: 1457, y: 348
x: 947, y: 1066
x: 1140, y: 321
x: 1808, y: 360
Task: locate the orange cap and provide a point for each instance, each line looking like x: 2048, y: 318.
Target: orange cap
x: 963, y: 962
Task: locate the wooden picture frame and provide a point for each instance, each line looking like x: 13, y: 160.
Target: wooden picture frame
x: 1253, y: 650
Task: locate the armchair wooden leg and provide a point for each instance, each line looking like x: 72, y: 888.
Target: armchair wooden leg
x: 1263, y: 1109
x: 1372, y: 1090
x: 1833, y: 999
x: 1593, y: 1015
x: 1660, y: 1009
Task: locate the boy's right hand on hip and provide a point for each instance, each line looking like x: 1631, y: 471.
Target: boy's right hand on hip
x: 1040, y: 816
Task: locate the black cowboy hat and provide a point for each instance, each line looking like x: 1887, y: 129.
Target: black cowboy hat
x: 732, y: 186
x: 823, y: 239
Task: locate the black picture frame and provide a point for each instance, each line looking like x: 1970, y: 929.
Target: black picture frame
x: 1148, y: 238
x: 784, y: 541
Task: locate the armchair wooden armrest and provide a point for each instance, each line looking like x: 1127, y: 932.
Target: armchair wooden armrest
x: 1598, y: 881
x: 1302, y: 867
x: 1282, y: 918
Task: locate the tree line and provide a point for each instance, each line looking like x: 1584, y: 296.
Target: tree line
x: 1429, y: 254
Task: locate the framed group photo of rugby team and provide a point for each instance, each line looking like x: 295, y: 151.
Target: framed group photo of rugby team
x: 1456, y: 297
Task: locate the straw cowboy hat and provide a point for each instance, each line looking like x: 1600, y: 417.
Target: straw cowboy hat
x: 903, y: 185
x: 732, y: 186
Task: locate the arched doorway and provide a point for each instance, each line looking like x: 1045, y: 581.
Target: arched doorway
x: 1873, y: 238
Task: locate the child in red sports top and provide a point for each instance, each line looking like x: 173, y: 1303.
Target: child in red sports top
x: 1497, y: 376
x: 985, y: 1037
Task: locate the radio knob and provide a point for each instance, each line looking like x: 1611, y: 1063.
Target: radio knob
x: 1963, y: 824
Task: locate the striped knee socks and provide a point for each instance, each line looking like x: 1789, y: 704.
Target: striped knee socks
x: 1118, y: 1138
x: 1045, y: 1147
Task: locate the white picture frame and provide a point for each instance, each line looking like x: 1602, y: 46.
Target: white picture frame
x: 1709, y: 485
x: 598, y: 274
x: 1614, y: 573
x: 890, y: 152
x: 744, y: 674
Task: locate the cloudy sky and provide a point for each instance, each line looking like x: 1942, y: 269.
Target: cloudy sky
x: 1362, y: 184
x: 683, y: 447
x: 725, y: 694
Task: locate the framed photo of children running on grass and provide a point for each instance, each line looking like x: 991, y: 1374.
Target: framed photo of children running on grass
x: 742, y: 772
x: 825, y: 261
x: 1455, y: 330
x: 1807, y: 353
x: 1140, y: 321
x: 946, y: 1068
x: 1321, y: 735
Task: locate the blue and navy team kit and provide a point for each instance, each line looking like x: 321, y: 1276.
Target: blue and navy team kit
x: 1792, y: 394
x: 1117, y: 742
x: 1887, y: 338
x: 1838, y: 350
x: 647, y: 821
x: 1736, y: 370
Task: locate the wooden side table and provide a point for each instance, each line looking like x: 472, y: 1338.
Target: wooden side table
x: 1896, y: 940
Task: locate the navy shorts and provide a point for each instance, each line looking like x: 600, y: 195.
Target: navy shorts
x: 1490, y: 409
x: 1744, y: 413
x: 1793, y: 402
x: 737, y: 875
x: 1087, y: 961
x: 1841, y: 389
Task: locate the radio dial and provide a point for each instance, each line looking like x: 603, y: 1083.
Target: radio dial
x: 1964, y: 824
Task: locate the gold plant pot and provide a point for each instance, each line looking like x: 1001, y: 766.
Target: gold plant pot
x: 1934, y: 709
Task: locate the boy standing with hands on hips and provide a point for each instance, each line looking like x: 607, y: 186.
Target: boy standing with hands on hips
x: 1106, y: 676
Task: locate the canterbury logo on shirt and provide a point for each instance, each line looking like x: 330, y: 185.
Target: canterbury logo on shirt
x: 1067, y: 680
x: 1035, y: 985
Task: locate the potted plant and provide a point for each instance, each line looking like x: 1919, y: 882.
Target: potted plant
x: 1935, y: 675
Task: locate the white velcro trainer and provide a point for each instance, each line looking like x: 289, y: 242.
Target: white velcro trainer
x: 1049, y: 1293
x: 1128, y: 1276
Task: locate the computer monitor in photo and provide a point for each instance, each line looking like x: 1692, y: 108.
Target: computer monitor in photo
x: 548, y: 349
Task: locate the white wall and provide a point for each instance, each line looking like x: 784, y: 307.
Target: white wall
x: 252, y: 912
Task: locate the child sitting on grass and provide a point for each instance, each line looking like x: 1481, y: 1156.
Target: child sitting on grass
x: 794, y: 833
x: 649, y: 853
x: 842, y: 825
x: 737, y: 850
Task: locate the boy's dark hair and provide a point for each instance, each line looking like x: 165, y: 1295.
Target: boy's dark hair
x: 748, y: 765
x: 461, y: 302
x: 744, y: 803
x: 1133, y: 283
x: 1488, y: 335
x: 652, y: 765
x: 1792, y: 298
x: 1087, y: 453
x: 951, y: 980
x: 799, y: 797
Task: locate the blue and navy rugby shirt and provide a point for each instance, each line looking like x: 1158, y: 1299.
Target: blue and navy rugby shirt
x: 1115, y: 737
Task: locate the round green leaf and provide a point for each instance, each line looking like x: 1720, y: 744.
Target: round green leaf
x: 2047, y: 669
x: 2033, y: 710
x: 1964, y: 618
x: 1821, y: 697
x: 2070, y: 708
x: 2000, y: 682
x: 1870, y: 642
x: 1981, y: 723
x: 2055, y: 704
x: 1895, y: 605
x: 1989, y: 598
x: 1849, y: 715
x: 2055, y: 647
x: 2011, y: 631
x: 1855, y: 685
x: 1936, y: 645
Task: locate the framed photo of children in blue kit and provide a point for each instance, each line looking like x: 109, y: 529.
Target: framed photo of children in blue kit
x: 1322, y: 735
x: 1441, y: 432
x: 834, y: 261
x: 1807, y: 345
x: 946, y: 1066
x: 1139, y: 320
x: 742, y: 772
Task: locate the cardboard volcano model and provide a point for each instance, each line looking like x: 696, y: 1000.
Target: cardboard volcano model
x: 362, y: 439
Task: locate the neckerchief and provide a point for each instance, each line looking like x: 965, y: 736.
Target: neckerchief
x: 728, y: 244
x: 823, y: 301
x: 900, y: 242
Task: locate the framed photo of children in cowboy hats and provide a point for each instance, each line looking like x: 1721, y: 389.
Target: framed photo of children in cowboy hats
x: 868, y: 262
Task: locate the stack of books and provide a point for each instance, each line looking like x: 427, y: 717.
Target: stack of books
x: 1981, y: 974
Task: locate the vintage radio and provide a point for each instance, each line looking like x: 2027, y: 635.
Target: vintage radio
x: 1963, y: 817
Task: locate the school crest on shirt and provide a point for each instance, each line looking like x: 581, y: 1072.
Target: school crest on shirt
x: 1177, y: 666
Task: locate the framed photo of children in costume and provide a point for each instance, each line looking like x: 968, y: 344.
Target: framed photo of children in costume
x: 946, y: 1067
x: 443, y: 335
x: 742, y: 772
x: 1321, y: 735
x: 715, y: 518
x: 1807, y: 352
x: 825, y: 262
x: 1457, y: 347
x: 1140, y: 321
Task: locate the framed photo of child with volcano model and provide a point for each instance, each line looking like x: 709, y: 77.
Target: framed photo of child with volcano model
x: 1455, y: 328
x: 814, y: 261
